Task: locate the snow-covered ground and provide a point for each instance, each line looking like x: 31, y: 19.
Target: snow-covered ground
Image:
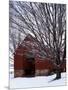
x: 38, y: 81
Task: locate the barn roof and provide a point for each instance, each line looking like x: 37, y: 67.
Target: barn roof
x: 29, y: 42
x: 29, y: 37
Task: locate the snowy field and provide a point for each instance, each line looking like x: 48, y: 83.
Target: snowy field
x: 38, y: 81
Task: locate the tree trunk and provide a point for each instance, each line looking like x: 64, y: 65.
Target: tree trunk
x: 58, y: 71
x: 58, y: 74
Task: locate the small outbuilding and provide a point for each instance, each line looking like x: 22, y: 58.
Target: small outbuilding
x: 28, y: 61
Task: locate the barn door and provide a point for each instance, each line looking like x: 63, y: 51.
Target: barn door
x: 30, y: 69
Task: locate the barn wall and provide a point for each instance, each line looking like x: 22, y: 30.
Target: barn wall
x: 43, y: 66
x: 18, y: 65
x: 63, y: 67
x: 18, y: 62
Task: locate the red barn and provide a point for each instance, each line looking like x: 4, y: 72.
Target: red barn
x: 28, y: 60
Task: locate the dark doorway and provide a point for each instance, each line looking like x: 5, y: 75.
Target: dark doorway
x: 30, y: 69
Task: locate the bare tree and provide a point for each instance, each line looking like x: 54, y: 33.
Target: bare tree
x: 45, y: 22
